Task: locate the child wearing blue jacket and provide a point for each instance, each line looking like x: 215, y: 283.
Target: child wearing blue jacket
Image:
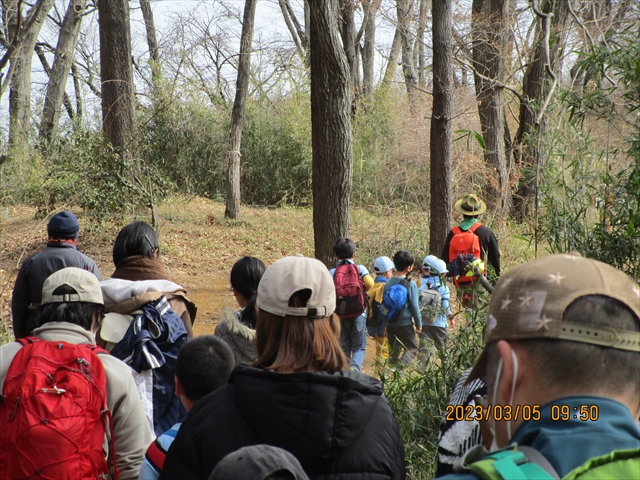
x: 401, y: 333
x: 433, y: 272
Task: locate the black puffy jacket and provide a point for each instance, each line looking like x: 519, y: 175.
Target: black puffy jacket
x: 339, y: 426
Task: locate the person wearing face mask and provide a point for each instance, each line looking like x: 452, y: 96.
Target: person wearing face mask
x: 561, y: 362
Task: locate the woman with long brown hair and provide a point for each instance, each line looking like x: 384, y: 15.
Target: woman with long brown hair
x: 298, y: 395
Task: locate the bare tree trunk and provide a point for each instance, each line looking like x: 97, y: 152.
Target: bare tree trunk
x: 154, y: 52
x: 490, y: 32
x: 330, y: 129
x: 66, y: 101
x: 348, y: 32
x: 390, y: 71
x: 441, y: 125
x: 77, y: 89
x: 20, y: 93
x: 420, y: 51
x: 232, y: 209
x: 535, y: 87
x: 297, y: 34
x: 405, y: 13
x: 60, y: 70
x: 368, y: 51
x: 116, y: 74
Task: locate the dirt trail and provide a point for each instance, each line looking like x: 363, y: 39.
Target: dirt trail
x: 198, y: 248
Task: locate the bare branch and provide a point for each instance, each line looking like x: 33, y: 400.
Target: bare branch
x: 294, y: 34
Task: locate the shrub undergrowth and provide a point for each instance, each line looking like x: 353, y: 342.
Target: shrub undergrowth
x: 419, y: 394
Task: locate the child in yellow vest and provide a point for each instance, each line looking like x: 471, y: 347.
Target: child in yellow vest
x: 376, y: 328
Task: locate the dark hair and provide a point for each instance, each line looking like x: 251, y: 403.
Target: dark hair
x: 402, y: 259
x: 137, y: 238
x: 344, y: 248
x: 297, y: 344
x: 573, y: 365
x: 204, y: 364
x: 245, y: 277
x: 84, y: 314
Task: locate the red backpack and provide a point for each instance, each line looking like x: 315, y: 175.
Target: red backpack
x: 465, y: 243
x: 350, y: 299
x: 53, y: 413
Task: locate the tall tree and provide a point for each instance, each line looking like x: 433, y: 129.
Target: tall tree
x: 330, y: 129
x: 491, y: 33
x: 232, y: 209
x: 28, y: 28
x: 368, y: 51
x: 152, y: 41
x: 348, y: 32
x: 441, y: 125
x: 61, y: 67
x: 419, y: 49
x: 116, y: 74
x: 537, y: 85
x: 298, y: 34
x: 392, y: 62
x: 405, y: 14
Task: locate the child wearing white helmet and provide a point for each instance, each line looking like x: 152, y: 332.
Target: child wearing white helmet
x: 433, y: 297
x: 376, y: 328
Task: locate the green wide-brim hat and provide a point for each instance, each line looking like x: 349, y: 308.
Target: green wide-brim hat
x: 470, y: 204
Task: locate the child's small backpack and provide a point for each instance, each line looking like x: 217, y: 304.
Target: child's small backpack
x: 375, y: 300
x: 393, y: 300
x: 430, y: 304
x: 53, y: 412
x: 350, y: 298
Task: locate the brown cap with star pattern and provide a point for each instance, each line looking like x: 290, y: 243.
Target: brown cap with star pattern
x: 529, y: 302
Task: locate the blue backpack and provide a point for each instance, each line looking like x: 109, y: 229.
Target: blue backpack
x: 393, y: 301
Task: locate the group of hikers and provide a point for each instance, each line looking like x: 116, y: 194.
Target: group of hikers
x: 106, y: 380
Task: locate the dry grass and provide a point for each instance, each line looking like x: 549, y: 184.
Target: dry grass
x: 199, y: 245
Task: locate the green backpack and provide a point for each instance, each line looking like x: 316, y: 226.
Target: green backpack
x: 526, y: 463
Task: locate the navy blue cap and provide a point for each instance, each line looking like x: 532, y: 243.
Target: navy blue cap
x: 63, y: 225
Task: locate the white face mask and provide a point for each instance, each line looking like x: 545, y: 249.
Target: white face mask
x: 494, y: 443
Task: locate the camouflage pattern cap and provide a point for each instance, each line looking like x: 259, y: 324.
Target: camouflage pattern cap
x: 530, y: 300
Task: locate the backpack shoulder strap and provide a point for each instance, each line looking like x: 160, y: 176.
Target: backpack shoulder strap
x: 96, y: 349
x: 24, y: 341
x: 617, y: 464
x: 456, y: 230
x: 475, y: 226
x: 534, y: 456
x: 510, y: 463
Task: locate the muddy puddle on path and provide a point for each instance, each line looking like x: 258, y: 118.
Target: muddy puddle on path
x: 211, y: 299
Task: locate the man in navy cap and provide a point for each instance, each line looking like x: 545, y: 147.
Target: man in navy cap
x: 59, y: 253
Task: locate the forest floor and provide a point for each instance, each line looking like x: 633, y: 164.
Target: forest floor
x: 199, y: 246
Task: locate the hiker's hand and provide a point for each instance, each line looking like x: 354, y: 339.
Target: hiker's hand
x: 452, y: 319
x: 418, y: 330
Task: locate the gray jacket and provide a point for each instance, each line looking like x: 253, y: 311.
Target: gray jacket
x: 34, y: 271
x: 130, y: 427
x: 240, y: 338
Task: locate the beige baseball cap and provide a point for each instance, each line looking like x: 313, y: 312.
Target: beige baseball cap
x: 529, y: 302
x: 290, y: 275
x: 82, y: 281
